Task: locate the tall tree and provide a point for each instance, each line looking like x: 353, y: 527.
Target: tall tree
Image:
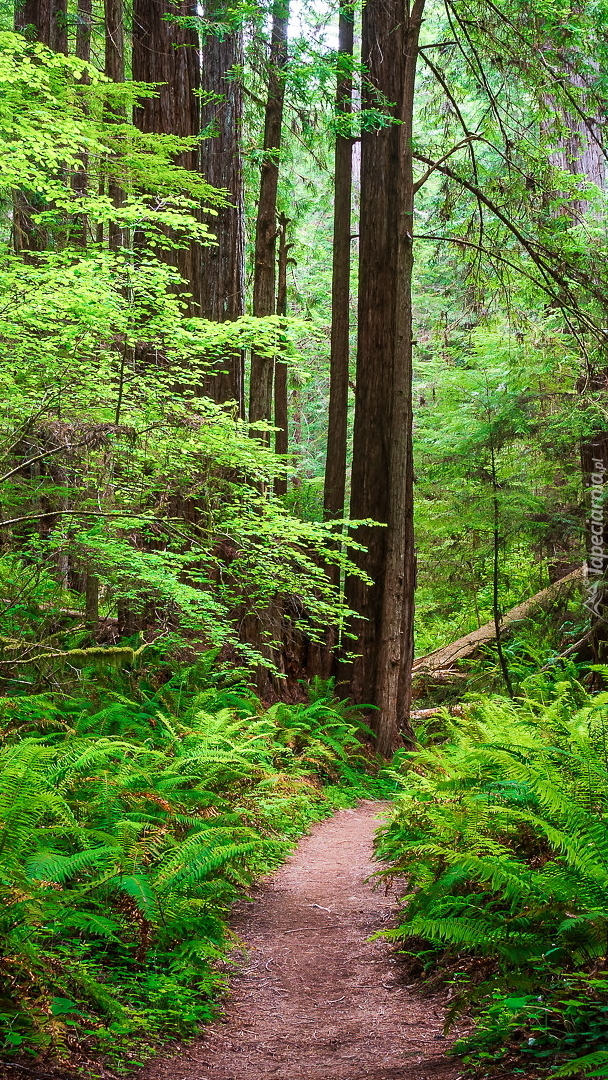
x: 47, y: 19
x: 115, y: 70
x: 281, y: 417
x: 382, y: 477
x: 221, y: 269
x: 264, y: 275
x: 84, y: 13
x: 167, y: 52
x: 335, y: 467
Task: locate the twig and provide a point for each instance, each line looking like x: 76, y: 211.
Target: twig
x: 300, y: 929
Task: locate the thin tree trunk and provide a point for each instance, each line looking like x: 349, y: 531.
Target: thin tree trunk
x: 221, y: 268
x: 44, y: 20
x: 335, y: 466
x: 91, y: 592
x: 382, y: 480
x: 281, y: 419
x: 264, y: 278
x: 496, y: 612
x: 83, y: 29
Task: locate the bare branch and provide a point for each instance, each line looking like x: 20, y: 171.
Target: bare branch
x: 429, y: 172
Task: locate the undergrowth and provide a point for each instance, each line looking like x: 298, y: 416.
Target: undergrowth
x: 501, y: 832
x: 130, y: 819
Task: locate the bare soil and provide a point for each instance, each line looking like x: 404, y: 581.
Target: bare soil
x: 315, y: 1000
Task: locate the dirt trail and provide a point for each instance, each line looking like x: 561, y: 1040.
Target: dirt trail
x: 315, y: 1000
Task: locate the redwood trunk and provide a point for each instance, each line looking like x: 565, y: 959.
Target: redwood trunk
x: 382, y: 479
x: 164, y: 52
x: 221, y: 265
x: 115, y: 70
x: 281, y: 419
x: 335, y: 467
x: 264, y: 279
x: 49, y: 20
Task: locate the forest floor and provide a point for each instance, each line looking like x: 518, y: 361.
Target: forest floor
x: 315, y: 1000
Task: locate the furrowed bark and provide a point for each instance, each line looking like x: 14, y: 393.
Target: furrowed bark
x: 335, y: 467
x: 281, y: 419
x: 222, y: 265
x: 165, y: 52
x: 264, y: 280
x: 382, y: 480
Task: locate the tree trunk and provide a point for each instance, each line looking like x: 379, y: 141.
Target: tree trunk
x: 83, y: 29
x: 335, y: 466
x: 115, y: 70
x: 46, y: 21
x: 83, y: 52
x: 115, y: 40
x: 382, y: 479
x: 281, y: 419
x: 166, y: 53
x: 264, y: 275
x: 594, y: 463
x: 581, y: 152
x: 222, y: 265
x: 48, y: 18
x: 580, y: 148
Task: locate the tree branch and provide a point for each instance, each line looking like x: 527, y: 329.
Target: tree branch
x: 39, y: 457
x: 76, y: 513
x: 433, y: 168
x: 541, y: 258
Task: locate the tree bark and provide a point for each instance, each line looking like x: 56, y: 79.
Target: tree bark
x: 222, y: 265
x: 382, y: 477
x: 115, y: 69
x: 166, y: 53
x: 48, y: 19
x: 281, y: 419
x: 84, y: 12
x: 335, y: 466
x: 264, y: 278
x: 580, y: 148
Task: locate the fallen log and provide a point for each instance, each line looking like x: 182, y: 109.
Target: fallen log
x: 440, y: 659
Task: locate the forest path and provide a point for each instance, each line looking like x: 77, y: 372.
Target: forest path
x: 315, y: 1000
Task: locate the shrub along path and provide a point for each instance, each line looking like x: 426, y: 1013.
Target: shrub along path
x: 315, y: 1000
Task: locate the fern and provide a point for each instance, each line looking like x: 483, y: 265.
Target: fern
x: 126, y: 834
x: 502, y: 832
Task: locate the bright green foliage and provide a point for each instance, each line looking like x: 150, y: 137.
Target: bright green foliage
x: 112, y: 464
x: 501, y: 831
x: 127, y: 825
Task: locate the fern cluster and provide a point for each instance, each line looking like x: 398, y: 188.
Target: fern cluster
x: 501, y: 831
x: 127, y: 827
